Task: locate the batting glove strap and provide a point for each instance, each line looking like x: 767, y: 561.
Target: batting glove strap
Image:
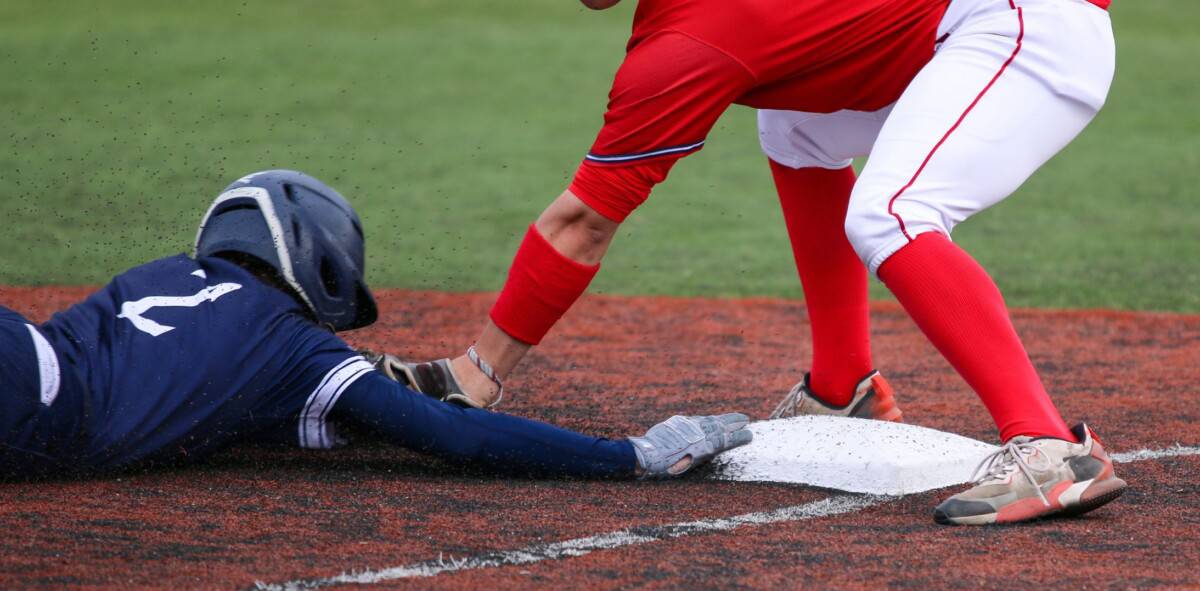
x: 680, y: 443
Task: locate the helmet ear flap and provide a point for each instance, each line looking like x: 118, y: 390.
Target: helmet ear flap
x: 366, y: 312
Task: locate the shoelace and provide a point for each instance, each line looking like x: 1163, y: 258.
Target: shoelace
x: 788, y: 405
x: 1000, y: 462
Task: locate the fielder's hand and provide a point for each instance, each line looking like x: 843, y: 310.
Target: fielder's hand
x: 679, y: 444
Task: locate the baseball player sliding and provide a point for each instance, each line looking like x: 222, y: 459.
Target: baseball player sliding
x: 176, y: 358
x: 956, y: 102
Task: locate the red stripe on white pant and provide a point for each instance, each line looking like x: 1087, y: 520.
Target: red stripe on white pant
x: 913, y: 180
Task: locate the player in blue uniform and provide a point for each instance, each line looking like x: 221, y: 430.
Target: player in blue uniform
x: 176, y: 358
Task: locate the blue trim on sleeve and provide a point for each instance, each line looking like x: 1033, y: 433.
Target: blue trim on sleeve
x: 636, y: 156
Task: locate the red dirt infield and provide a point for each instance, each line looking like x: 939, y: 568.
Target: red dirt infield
x: 614, y: 366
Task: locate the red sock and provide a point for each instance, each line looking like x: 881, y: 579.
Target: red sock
x: 542, y: 284
x: 814, y: 204
x: 960, y: 309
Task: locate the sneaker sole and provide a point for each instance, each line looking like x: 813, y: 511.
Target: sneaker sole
x: 1096, y: 496
x: 1099, y: 495
x: 943, y: 519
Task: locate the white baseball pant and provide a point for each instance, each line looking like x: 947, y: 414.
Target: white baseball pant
x: 1011, y: 85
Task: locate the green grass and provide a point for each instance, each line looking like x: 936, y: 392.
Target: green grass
x: 450, y: 124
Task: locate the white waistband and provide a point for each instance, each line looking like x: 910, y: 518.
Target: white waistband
x: 48, y: 371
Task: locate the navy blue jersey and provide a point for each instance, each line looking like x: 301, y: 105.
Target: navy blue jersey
x: 180, y: 356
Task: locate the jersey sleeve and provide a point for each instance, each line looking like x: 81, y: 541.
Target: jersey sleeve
x: 665, y: 98
x: 488, y: 439
x: 314, y: 429
x: 319, y: 368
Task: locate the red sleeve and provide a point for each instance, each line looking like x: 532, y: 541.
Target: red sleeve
x: 666, y: 96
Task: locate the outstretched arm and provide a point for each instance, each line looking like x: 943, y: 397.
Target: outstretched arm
x: 665, y: 98
x: 469, y: 435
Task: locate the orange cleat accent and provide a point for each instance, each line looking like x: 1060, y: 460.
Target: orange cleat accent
x: 873, y: 399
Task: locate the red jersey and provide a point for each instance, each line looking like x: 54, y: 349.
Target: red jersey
x: 807, y: 55
x: 688, y: 60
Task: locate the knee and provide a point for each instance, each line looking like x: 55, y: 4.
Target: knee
x: 877, y: 226
x: 861, y: 225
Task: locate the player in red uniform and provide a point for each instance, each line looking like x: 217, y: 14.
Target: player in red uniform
x: 957, y: 103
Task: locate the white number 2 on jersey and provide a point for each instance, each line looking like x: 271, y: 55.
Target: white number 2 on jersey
x: 132, y: 311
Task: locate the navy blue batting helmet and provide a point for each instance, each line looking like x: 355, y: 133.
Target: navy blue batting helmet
x: 305, y: 231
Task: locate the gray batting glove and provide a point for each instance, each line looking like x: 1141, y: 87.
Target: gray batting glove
x: 679, y: 444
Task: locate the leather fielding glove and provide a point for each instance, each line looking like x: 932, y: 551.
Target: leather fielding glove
x: 680, y: 443
x: 432, y: 378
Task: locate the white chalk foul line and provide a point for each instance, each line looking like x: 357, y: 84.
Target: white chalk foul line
x: 834, y: 505
x: 1155, y: 454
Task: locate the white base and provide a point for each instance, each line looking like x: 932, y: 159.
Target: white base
x: 853, y: 455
